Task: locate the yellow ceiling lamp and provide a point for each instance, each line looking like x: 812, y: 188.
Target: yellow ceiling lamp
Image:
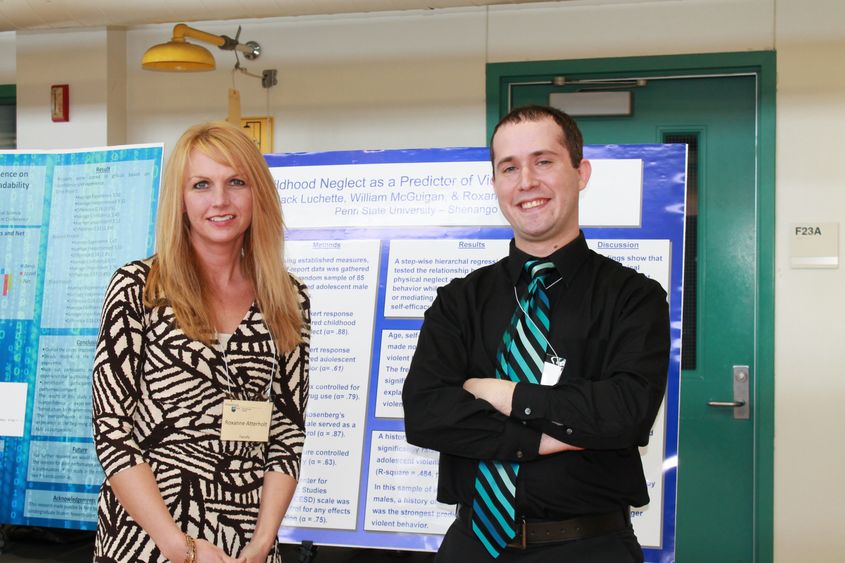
x: 177, y: 55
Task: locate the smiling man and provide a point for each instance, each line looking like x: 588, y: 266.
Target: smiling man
x: 538, y: 377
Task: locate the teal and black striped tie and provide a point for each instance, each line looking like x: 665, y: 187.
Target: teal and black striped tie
x: 520, y: 358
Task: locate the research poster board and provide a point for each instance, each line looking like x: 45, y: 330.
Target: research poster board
x: 374, y: 234
x: 68, y: 219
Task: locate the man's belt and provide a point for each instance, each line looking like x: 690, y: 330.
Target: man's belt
x: 545, y: 531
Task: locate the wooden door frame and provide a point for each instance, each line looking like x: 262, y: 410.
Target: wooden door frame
x: 500, y: 77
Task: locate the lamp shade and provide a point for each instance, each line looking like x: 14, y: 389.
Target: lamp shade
x: 178, y: 56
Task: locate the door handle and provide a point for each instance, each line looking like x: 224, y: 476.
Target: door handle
x: 740, y: 404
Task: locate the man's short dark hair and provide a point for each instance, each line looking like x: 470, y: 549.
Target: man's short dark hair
x: 571, y: 137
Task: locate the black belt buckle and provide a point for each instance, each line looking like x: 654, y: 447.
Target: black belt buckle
x: 520, y: 541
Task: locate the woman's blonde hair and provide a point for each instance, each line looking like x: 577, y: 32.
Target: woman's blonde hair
x: 175, y: 279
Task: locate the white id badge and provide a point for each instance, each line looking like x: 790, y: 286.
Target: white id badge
x: 246, y: 421
x: 552, y: 370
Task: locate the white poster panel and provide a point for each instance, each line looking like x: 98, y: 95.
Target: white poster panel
x: 341, y: 277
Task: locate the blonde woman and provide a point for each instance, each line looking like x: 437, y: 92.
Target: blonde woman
x: 201, y: 371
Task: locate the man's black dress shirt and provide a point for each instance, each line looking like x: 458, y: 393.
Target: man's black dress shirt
x: 609, y: 322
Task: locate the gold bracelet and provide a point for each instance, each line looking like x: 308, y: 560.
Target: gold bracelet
x: 190, y: 549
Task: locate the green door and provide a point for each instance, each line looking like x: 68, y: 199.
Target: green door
x: 724, y: 474
x: 8, y: 117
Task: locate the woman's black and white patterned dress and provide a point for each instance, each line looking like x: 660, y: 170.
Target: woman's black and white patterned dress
x: 158, y: 398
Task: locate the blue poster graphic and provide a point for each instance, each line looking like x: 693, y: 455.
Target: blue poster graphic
x: 68, y: 220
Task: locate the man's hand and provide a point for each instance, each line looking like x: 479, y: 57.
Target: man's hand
x: 497, y: 392
x: 549, y: 445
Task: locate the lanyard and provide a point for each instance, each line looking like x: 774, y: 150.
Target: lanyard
x: 269, y: 390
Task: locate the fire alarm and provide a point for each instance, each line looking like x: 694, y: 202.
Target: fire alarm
x: 60, y: 102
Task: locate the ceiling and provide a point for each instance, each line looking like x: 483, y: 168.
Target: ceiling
x: 55, y: 14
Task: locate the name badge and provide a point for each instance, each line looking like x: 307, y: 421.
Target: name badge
x: 552, y: 370
x: 246, y: 421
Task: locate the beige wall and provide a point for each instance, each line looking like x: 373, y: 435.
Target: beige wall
x: 355, y: 82
x: 74, y: 57
x: 7, y: 57
x: 613, y: 29
x: 416, y: 79
x: 810, y: 305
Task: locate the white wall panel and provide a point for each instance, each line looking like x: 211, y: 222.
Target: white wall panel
x: 809, y: 304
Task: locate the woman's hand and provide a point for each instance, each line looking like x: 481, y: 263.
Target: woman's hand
x: 276, y: 493
x: 252, y: 553
x: 210, y: 553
